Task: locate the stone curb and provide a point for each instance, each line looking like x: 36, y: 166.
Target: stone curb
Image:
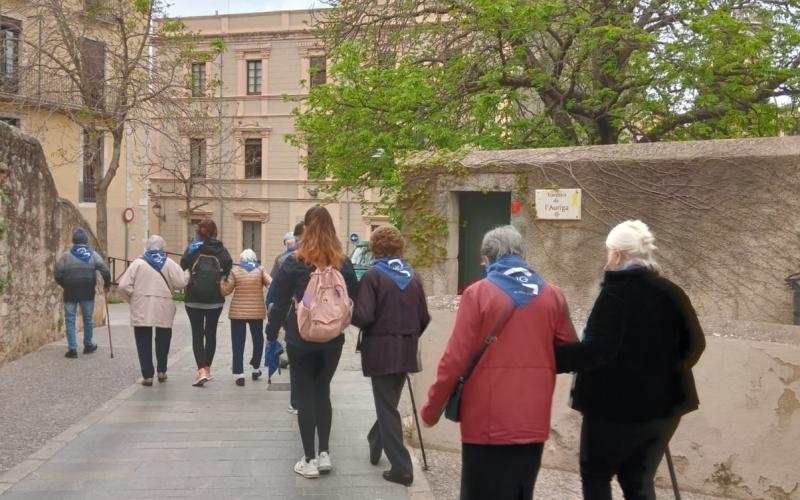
x: 23, y: 469
x: 420, y: 489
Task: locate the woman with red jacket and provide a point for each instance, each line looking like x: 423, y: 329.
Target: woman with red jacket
x: 505, y: 407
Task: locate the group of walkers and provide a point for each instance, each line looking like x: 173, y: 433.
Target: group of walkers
x: 512, y: 334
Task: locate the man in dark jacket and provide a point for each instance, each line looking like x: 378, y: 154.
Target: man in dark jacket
x: 76, y: 273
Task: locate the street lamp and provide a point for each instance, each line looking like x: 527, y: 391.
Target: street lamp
x: 158, y: 211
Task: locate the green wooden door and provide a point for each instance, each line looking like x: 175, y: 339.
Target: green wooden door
x: 479, y: 213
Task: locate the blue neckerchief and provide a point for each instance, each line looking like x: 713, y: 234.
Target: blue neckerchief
x: 194, y: 246
x: 156, y: 259
x: 397, y: 269
x: 248, y: 266
x: 289, y: 250
x: 629, y: 266
x: 83, y: 252
x: 516, y: 279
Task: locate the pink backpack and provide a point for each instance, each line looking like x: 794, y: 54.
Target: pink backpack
x: 326, y: 308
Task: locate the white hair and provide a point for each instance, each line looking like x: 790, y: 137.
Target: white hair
x: 155, y: 242
x: 289, y: 238
x: 501, y: 242
x: 635, y: 242
x: 248, y: 256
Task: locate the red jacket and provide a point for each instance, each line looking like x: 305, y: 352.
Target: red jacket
x: 508, y: 397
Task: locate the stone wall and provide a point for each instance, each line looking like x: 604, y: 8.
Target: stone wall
x: 741, y: 443
x: 726, y: 215
x: 36, y: 227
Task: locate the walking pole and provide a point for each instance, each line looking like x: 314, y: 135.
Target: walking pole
x: 416, y: 420
x: 108, y: 326
x: 672, y: 475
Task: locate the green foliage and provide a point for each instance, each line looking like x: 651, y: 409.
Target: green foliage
x: 5, y: 279
x: 179, y: 297
x: 507, y: 74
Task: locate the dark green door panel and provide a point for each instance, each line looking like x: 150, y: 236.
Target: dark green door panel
x: 478, y: 213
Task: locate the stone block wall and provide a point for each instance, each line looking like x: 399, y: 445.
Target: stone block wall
x: 35, y: 227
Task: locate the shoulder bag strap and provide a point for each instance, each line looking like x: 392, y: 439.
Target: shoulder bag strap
x: 169, y: 288
x: 489, y: 340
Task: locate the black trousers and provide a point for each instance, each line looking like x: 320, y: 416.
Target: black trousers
x: 387, y: 432
x: 499, y: 472
x: 312, y: 371
x: 144, y: 347
x: 238, y: 338
x: 204, y: 334
x: 629, y: 450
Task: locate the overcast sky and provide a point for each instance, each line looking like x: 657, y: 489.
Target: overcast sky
x: 207, y: 7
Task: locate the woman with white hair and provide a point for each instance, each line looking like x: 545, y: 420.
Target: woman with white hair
x: 634, y: 368
x: 148, y: 285
x: 500, y: 355
x: 247, y: 282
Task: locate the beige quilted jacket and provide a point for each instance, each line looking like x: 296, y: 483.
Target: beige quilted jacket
x: 248, y: 293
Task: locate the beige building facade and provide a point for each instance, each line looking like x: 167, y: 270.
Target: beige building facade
x: 262, y: 189
x: 44, y: 106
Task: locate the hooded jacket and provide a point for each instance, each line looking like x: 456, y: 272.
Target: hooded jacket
x: 79, y: 278
x: 214, y: 248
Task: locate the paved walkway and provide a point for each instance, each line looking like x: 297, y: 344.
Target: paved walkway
x: 218, y: 442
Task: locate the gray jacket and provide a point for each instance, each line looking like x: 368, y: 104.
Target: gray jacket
x: 79, y: 278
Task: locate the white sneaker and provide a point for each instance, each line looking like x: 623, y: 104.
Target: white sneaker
x: 308, y: 469
x: 324, y: 462
x: 292, y: 410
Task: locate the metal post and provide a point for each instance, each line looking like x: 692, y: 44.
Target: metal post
x: 672, y: 475
x: 221, y: 218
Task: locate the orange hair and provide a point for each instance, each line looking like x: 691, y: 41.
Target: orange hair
x: 319, y: 246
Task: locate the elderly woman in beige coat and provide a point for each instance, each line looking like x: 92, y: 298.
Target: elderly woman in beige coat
x: 247, y: 282
x: 148, y: 285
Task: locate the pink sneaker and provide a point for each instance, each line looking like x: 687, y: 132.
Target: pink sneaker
x: 209, y: 375
x: 200, y: 378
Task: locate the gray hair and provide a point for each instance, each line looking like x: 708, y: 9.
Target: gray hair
x: 248, y: 255
x: 155, y: 242
x: 501, y: 242
x: 289, y: 238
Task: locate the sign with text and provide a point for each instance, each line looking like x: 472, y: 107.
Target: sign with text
x: 558, y: 204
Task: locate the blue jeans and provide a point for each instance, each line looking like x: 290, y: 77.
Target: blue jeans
x: 238, y: 336
x: 70, y: 314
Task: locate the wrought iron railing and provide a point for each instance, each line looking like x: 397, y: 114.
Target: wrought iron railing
x: 35, y: 85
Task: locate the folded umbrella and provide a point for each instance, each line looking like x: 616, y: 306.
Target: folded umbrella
x: 272, y: 359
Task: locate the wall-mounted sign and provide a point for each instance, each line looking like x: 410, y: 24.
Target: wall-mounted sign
x: 128, y: 215
x: 558, y: 204
x: 354, y: 237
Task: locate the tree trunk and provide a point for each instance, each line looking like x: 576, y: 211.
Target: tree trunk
x: 101, y: 206
x: 189, y: 235
x: 101, y: 189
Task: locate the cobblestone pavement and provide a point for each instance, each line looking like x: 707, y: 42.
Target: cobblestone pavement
x: 444, y: 477
x: 217, y: 442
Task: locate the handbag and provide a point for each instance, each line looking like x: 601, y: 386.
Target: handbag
x: 452, y: 410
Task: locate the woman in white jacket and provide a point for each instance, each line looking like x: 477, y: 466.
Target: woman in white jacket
x: 148, y: 285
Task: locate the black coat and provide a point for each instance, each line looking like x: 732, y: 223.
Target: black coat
x: 641, y: 341
x: 392, y: 321
x: 216, y: 249
x: 290, y: 283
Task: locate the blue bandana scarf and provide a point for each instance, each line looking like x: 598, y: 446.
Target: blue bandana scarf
x: 248, y: 266
x: 397, y: 269
x: 83, y: 252
x: 194, y: 246
x: 516, y: 279
x: 156, y: 259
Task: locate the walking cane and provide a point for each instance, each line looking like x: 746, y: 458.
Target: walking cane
x: 416, y: 421
x: 672, y: 475
x: 108, y: 326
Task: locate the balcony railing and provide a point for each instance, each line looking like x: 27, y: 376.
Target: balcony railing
x: 36, y: 86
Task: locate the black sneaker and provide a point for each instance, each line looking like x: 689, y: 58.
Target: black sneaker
x: 240, y: 382
x: 284, y: 363
x: 71, y: 354
x: 256, y: 374
x: 90, y: 349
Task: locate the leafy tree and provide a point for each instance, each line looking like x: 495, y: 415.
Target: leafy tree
x: 447, y: 74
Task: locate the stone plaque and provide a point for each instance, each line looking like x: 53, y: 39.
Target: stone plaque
x: 558, y: 204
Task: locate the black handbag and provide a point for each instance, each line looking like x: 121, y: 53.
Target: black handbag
x: 452, y: 410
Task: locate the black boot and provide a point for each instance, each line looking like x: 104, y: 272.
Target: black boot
x: 394, y: 477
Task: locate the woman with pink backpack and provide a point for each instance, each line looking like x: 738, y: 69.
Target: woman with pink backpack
x: 313, y: 294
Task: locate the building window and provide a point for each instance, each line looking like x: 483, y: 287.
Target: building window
x: 318, y: 70
x: 253, y: 77
x: 93, y: 153
x: 252, y: 159
x: 14, y: 122
x: 93, y: 55
x: 10, y: 30
x: 197, y: 157
x: 251, y: 236
x: 198, y: 79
